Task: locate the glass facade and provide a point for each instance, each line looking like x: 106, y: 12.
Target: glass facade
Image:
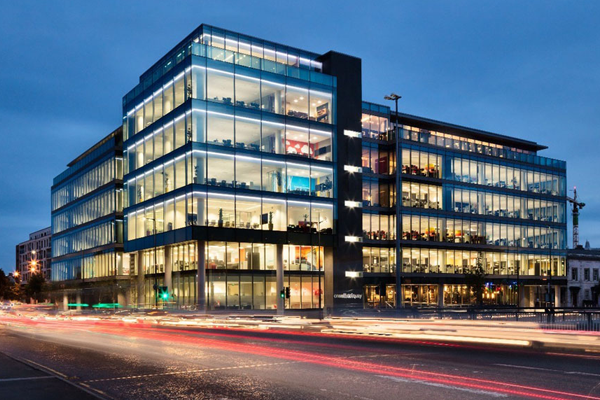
x: 87, y: 214
x: 239, y: 168
x: 234, y: 134
x: 468, y: 199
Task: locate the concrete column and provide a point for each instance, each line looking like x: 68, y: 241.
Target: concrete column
x: 522, y: 296
x: 201, y: 277
x: 65, y: 302
x: 279, y: 276
x: 121, y: 299
x: 557, y: 299
x: 441, y: 295
x: 168, y: 269
x: 78, y: 301
x: 140, y: 280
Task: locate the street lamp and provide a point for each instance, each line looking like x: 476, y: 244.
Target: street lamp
x: 33, y: 265
x: 399, y: 300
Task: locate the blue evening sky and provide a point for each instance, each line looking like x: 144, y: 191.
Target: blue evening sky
x: 527, y: 69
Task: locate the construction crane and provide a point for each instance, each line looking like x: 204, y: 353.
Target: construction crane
x: 577, y: 205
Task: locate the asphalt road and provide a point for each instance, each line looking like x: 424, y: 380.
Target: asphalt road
x: 136, y: 361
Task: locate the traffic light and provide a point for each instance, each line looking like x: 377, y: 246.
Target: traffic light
x: 287, y: 292
x: 164, y: 292
x: 282, y: 294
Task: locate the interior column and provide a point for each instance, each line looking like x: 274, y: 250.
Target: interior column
x: 140, y: 280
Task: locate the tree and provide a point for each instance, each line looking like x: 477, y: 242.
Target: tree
x: 16, y: 292
x: 4, y: 285
x: 475, y: 279
x: 35, y: 285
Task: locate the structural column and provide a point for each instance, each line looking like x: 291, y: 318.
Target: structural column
x: 65, y: 302
x: 279, y: 276
x: 168, y: 269
x: 441, y: 295
x: 140, y: 279
x: 557, y: 299
x: 201, y: 277
x: 522, y: 296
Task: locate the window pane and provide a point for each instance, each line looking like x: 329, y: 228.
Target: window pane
x: 320, y: 106
x: 220, y: 86
x: 296, y: 102
x: 247, y: 134
x: 247, y: 173
x: 247, y: 91
x: 220, y: 130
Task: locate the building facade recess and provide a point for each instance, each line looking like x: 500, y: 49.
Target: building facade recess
x: 250, y: 167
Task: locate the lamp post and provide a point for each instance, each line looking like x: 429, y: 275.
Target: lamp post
x: 399, y: 300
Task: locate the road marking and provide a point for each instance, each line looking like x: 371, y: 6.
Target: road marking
x: 441, y: 385
x: 46, y: 368
x: 548, y: 369
x: 581, y: 373
x: 31, y: 378
x: 526, y: 367
x: 192, y: 371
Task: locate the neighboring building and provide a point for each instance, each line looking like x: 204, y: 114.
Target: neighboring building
x: 246, y: 172
x: 87, y: 221
x: 34, y: 255
x: 583, y: 274
x: 466, y: 196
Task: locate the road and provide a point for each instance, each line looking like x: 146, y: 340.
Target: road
x: 117, y: 360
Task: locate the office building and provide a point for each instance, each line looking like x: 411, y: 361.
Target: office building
x: 251, y: 167
x: 465, y: 198
x: 33, y: 255
x: 87, y: 225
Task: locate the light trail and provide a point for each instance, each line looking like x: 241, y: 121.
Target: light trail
x: 203, y: 340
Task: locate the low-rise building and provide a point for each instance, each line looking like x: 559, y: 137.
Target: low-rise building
x: 34, y: 255
x: 583, y: 274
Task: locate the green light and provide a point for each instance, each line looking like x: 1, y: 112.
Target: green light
x: 107, y: 305
x: 165, y: 296
x: 78, y: 305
